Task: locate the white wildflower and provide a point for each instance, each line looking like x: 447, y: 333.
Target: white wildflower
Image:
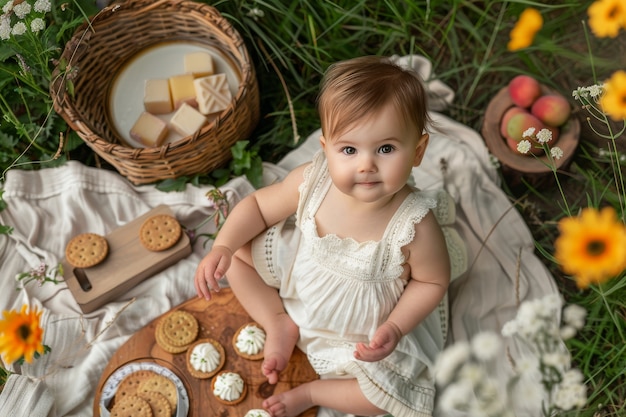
x: 7, y: 7
x: 485, y: 345
x: 450, y: 360
x: 528, y: 133
x: 22, y: 10
x: 572, y: 376
x: 37, y: 25
x: 510, y: 328
x: 596, y: 90
x: 528, y: 367
x: 255, y: 13
x: 556, y: 152
x: 18, y: 29
x: 574, y: 315
x: 567, y: 332
x: 472, y: 372
x: 523, y: 146
x: 529, y: 318
x: 456, y: 396
x: 571, y: 392
x: 43, y: 6
x: 551, y: 303
x: 555, y: 359
x: 5, y: 29
x: 544, y: 136
x: 492, y: 401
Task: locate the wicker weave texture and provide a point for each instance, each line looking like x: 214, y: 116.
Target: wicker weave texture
x: 99, y: 50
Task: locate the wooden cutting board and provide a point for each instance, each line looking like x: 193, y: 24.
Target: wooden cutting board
x: 219, y: 318
x: 127, y: 264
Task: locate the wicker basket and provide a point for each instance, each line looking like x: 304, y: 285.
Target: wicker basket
x: 98, y: 51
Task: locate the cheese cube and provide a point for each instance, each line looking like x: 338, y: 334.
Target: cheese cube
x: 182, y: 90
x: 199, y: 64
x: 149, y: 130
x: 212, y: 93
x: 187, y: 120
x: 156, y: 96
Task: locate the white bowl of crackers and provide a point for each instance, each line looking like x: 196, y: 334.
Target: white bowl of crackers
x: 144, y: 389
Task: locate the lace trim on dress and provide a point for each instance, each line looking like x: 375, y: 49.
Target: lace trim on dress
x: 359, y: 260
x: 402, y: 229
x: 372, y: 260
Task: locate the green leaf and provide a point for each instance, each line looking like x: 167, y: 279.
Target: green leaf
x: 173, y: 184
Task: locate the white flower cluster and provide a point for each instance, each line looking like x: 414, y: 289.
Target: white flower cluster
x: 543, y: 136
x: 27, y: 17
x: 593, y: 91
x: 542, y: 378
x: 463, y: 370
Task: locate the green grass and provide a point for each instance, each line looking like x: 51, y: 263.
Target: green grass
x: 293, y: 43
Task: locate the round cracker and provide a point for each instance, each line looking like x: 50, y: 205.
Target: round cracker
x: 160, y: 232
x: 204, y: 375
x: 86, y: 250
x: 180, y: 328
x: 163, y: 342
x: 256, y: 356
x: 131, y: 406
x: 130, y: 384
x: 159, y: 404
x: 162, y: 385
x: 233, y: 402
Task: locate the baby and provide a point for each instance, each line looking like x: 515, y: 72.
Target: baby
x: 343, y: 258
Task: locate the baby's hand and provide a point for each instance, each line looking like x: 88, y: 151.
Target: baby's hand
x: 382, y: 344
x: 212, y: 267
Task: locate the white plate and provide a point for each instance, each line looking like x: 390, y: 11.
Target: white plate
x: 111, y: 384
x: 160, y: 61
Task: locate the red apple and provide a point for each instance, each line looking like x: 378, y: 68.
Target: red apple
x: 517, y: 125
x: 524, y: 90
x: 520, y: 123
x: 510, y: 112
x: 553, y: 110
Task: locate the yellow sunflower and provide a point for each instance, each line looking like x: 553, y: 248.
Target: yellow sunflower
x: 524, y: 31
x: 613, y: 102
x: 21, y: 335
x: 592, y: 246
x: 606, y: 17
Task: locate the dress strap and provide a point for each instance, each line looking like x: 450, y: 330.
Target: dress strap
x: 314, y: 187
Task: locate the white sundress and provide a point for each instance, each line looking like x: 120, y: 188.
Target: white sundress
x: 338, y: 291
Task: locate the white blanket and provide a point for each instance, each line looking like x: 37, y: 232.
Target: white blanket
x: 50, y: 206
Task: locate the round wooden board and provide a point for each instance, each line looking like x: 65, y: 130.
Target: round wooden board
x: 219, y: 318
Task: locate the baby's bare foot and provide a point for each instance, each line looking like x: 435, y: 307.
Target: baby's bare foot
x: 282, y: 335
x: 290, y: 403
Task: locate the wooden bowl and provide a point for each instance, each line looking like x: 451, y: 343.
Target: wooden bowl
x: 516, y: 164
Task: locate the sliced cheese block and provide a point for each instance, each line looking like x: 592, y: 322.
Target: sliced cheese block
x: 200, y: 64
x: 187, y: 120
x: 212, y: 93
x: 182, y: 90
x: 149, y: 130
x: 156, y: 96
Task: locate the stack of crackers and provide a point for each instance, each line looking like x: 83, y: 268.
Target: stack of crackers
x: 145, y: 394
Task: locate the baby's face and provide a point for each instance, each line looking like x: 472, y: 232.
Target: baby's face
x: 373, y: 160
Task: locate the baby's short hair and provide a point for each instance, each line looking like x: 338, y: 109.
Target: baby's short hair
x: 353, y: 89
